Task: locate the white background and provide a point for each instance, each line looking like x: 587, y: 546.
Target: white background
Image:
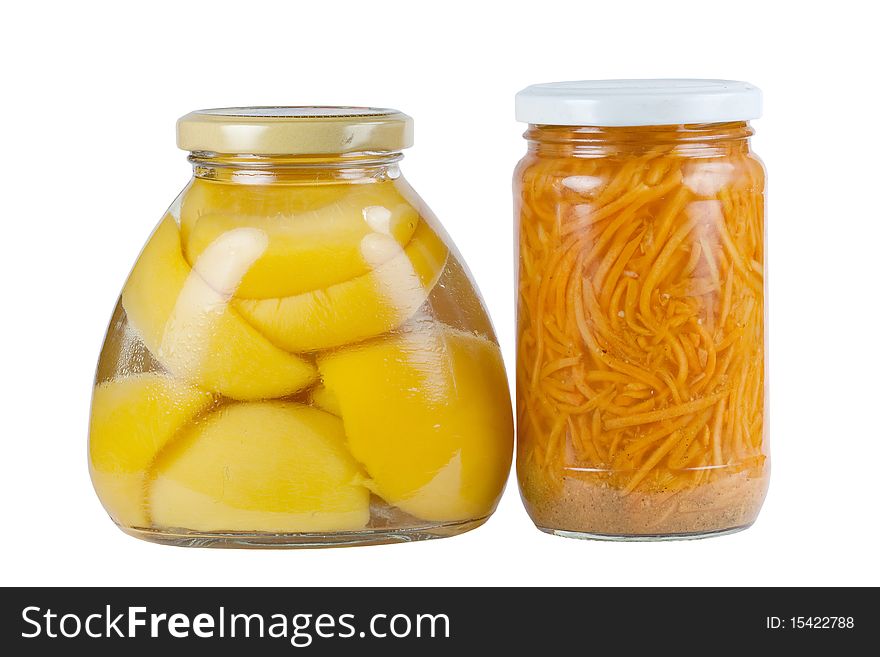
x: 91, y: 94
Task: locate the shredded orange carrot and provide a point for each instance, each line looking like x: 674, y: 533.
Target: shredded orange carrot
x: 640, y: 309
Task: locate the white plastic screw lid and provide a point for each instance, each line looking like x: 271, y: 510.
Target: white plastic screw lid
x: 638, y: 102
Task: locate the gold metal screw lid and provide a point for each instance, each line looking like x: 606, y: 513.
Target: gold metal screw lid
x: 311, y: 130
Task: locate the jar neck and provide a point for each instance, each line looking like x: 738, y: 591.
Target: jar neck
x: 295, y: 169
x: 703, y: 139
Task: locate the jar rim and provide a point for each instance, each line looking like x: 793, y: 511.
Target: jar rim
x: 631, y: 103
x: 295, y: 130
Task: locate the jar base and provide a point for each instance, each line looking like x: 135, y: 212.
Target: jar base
x: 263, y: 540
x: 643, y: 538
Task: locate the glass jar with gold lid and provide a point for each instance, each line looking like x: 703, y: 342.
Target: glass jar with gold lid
x: 299, y: 356
x: 641, y: 344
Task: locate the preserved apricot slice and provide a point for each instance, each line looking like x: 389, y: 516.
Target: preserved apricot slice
x: 133, y: 417
x: 325, y: 400
x: 262, y: 466
x: 189, y: 327
x: 357, y: 309
x: 427, y: 413
x: 307, y: 249
x: 205, y: 196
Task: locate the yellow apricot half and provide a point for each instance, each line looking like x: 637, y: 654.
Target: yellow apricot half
x: 132, y: 418
x: 359, y: 308
x: 189, y: 326
x: 263, y: 467
x: 322, y: 398
x: 206, y: 196
x: 307, y: 249
x: 428, y: 414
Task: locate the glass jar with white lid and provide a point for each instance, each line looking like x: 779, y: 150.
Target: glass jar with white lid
x: 641, y: 359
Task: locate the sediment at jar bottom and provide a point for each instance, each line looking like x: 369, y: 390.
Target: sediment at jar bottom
x: 589, y: 505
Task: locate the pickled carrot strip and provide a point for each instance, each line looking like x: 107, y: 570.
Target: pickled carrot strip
x: 685, y: 433
x: 667, y: 218
x: 558, y: 334
x: 552, y: 391
x: 598, y: 436
x: 586, y: 439
x: 660, y: 266
x: 645, y: 405
x: 641, y: 196
x: 654, y: 459
x: 709, y: 257
x: 615, y: 443
x: 603, y: 328
x: 711, y: 357
x: 693, y: 259
x: 625, y: 255
x: 632, y: 292
x: 553, y: 440
x: 604, y: 357
x: 599, y: 375
x: 560, y: 364
x: 617, y: 246
x: 690, y: 351
x: 650, y: 438
x: 681, y: 361
x: 672, y: 386
x: 622, y: 180
x: 614, y: 307
x: 666, y: 413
